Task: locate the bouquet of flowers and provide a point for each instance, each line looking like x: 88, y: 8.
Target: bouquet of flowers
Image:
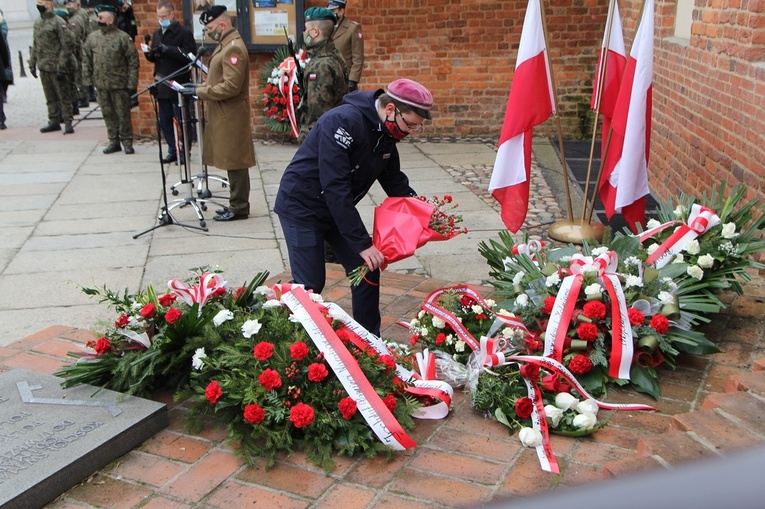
x: 403, y: 224
x: 149, y: 343
x: 281, y: 93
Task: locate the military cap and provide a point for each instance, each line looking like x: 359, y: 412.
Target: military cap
x: 317, y: 13
x: 105, y: 8
x: 61, y: 13
x: 211, y: 13
x: 336, y: 4
x: 414, y: 95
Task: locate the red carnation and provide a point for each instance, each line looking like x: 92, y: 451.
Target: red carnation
x: 448, y: 198
x: 595, y: 310
x: 390, y: 402
x: 172, y: 315
x: 547, y: 305
x: 530, y: 371
x: 466, y: 301
x: 263, y: 350
x: 344, y: 334
x: 270, y: 379
x: 213, y: 392
x: 660, y: 323
x: 587, y: 331
x: 580, y: 364
x: 440, y: 338
x: 122, y: 321
x: 298, y: 350
x: 148, y: 311
x: 102, y: 346
x: 219, y: 291
x: 413, y: 339
x: 635, y: 316
x: 388, y: 361
x: 524, y: 407
x: 317, y: 372
x: 254, y: 414
x: 481, y: 316
x: 167, y: 299
x: 347, y: 408
x: 532, y: 343
x: 301, y: 415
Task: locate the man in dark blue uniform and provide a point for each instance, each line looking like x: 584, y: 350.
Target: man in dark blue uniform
x: 349, y: 148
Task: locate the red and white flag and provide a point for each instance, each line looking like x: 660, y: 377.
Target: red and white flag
x: 613, y: 54
x: 530, y: 103
x: 624, y: 183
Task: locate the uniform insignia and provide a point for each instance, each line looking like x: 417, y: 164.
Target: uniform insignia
x: 386, y: 156
x: 312, y: 76
x: 343, y: 138
x: 233, y: 60
x: 359, y: 35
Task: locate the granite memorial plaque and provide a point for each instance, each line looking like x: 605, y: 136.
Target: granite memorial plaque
x: 52, y: 438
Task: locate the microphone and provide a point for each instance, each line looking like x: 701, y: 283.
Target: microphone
x: 146, y: 39
x: 200, y: 53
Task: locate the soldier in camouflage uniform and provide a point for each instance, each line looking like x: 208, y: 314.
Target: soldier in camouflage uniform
x: 71, y: 62
x: 110, y: 62
x: 325, y: 78
x: 50, y: 54
x: 78, y: 20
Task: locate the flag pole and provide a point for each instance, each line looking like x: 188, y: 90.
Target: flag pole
x: 601, y: 81
x: 570, y: 229
x: 610, y: 130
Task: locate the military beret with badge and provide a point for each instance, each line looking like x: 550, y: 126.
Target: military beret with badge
x: 211, y: 13
x: 105, y: 8
x: 320, y: 13
x: 336, y: 4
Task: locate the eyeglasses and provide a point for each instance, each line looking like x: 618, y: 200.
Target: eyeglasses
x: 411, y: 127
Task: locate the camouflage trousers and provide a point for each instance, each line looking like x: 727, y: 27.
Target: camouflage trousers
x: 56, y: 98
x: 115, y: 106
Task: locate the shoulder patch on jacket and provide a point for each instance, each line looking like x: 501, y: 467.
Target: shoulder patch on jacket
x: 343, y: 138
x: 234, y: 59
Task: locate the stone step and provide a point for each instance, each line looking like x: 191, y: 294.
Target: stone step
x: 753, y: 381
x: 674, y: 447
x: 715, y: 429
x: 631, y: 466
x: 743, y: 407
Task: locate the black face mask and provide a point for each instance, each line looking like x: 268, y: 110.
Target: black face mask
x: 102, y: 24
x: 42, y: 9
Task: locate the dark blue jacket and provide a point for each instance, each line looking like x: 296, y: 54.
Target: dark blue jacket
x: 344, y: 154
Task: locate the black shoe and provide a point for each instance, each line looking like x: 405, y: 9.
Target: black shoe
x: 75, y: 108
x: 50, y: 128
x: 170, y: 158
x: 83, y: 103
x: 229, y: 216
x: 112, y: 148
x: 129, y: 150
x: 2, y: 126
x: 220, y: 212
x: 68, y: 129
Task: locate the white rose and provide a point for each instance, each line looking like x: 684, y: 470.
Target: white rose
x: 554, y: 414
x: 530, y: 437
x: 518, y: 277
x: 678, y: 259
x: 587, y: 406
x: 599, y: 251
x: 633, y: 281
x: 338, y: 314
x: 552, y: 280
x: 459, y: 346
x: 522, y: 300
x: 692, y: 247
x: 491, y: 303
x: 438, y: 323
x: 508, y: 332
x: 272, y: 303
x: 679, y: 211
x: 316, y: 297
x: 593, y: 289
x: 565, y: 401
x: 695, y: 271
x: 222, y: 316
x: 196, y: 360
x: 477, y: 309
x: 652, y: 223
x: 706, y: 261
x: 261, y: 290
x: 585, y: 421
x: 250, y: 328
x: 652, y: 248
x: 729, y: 231
x: 666, y: 298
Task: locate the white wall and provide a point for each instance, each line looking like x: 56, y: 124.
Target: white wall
x: 18, y: 11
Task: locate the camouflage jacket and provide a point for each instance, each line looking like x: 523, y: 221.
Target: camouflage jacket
x: 49, y: 44
x: 73, y: 46
x: 80, y: 25
x: 109, y: 60
x: 325, y: 80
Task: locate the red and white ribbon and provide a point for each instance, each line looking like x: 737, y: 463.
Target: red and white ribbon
x: 565, y: 304
x: 424, y: 384
x: 529, y: 249
x: 369, y: 404
x: 197, y: 294
x: 700, y: 220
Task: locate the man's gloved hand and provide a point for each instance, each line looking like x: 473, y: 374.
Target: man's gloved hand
x: 352, y: 86
x: 60, y: 76
x: 159, y: 50
x: 189, y: 89
x: 33, y: 71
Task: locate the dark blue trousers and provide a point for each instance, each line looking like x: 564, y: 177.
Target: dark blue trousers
x: 306, y: 253
x: 166, y: 113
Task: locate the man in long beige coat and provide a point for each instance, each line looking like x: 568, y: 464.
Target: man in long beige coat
x: 228, y: 136
x: 349, y: 41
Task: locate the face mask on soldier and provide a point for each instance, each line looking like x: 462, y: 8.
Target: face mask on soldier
x: 216, y: 34
x: 41, y: 8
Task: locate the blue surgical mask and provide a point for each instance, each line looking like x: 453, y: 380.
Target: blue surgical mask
x: 164, y: 23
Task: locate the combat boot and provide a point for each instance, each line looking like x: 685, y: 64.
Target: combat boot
x: 128, y: 148
x: 84, y: 103
x: 68, y: 128
x: 112, y: 147
x: 75, y: 108
x: 50, y: 128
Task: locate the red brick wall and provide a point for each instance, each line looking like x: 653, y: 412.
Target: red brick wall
x: 708, y: 120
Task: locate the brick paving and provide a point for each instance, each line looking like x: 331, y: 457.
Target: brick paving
x: 463, y: 460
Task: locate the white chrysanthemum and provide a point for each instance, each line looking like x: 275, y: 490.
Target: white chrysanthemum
x: 593, y: 289
x: 666, y: 298
x: 316, y: 297
x: 261, y: 290
x: 459, y: 346
x: 632, y: 261
x: 438, y: 323
x: 636, y: 281
x: 421, y: 314
x: 668, y: 284
x: 729, y: 231
x: 222, y: 316
x: 695, y: 271
x: 692, y: 247
x: 553, y: 280
x: 507, y: 332
x: 196, y: 360
x: 599, y: 251
x: 505, y: 312
x: 706, y: 261
x: 250, y: 328
x: 564, y: 259
x: 294, y: 319
x: 590, y: 269
x: 449, y: 339
x: 652, y: 223
x: 491, y: 303
x: 518, y: 277
x: 650, y: 249
x: 522, y: 300
x: 338, y: 313
x: 414, y: 323
x: 271, y: 304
